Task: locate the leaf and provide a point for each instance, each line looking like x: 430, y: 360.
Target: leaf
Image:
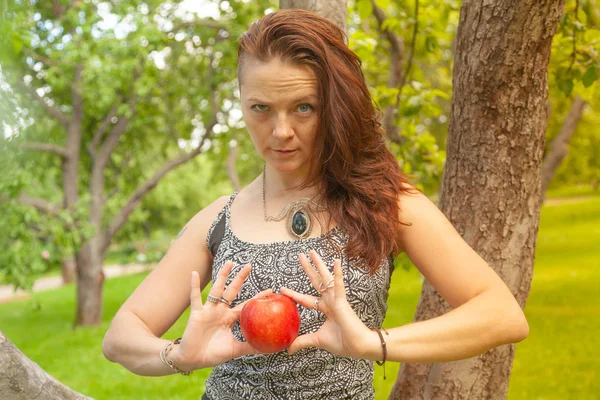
x: 431, y: 43
x: 590, y: 76
x: 565, y: 86
x: 364, y: 8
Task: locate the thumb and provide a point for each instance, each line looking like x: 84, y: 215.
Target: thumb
x: 303, y: 341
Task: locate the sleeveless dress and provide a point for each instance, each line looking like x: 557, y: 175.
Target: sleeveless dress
x: 310, y: 373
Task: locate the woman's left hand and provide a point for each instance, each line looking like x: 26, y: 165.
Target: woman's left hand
x: 343, y: 333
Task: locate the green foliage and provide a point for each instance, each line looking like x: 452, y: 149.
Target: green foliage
x: 423, y: 110
x: 573, y: 72
x: 149, y: 62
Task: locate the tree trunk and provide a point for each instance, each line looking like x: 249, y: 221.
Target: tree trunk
x: 90, y: 279
x: 68, y: 268
x: 335, y: 10
x: 22, y: 379
x: 491, y: 188
x: 560, y: 145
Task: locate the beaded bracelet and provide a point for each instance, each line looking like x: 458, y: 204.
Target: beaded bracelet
x: 384, y: 347
x: 165, y: 352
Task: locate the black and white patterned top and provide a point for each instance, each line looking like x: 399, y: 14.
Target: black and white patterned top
x: 310, y: 373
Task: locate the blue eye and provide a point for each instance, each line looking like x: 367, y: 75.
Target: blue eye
x: 305, y: 108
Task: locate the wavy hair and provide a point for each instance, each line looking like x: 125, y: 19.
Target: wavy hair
x: 360, y: 177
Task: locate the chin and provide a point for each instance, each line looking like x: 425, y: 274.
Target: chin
x: 286, y: 166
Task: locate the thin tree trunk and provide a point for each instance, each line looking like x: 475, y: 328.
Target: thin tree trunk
x: 68, y: 270
x: 90, y: 278
x: 22, y: 379
x: 560, y: 145
x: 491, y: 188
x: 335, y: 10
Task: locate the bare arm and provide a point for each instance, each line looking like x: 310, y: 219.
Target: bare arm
x: 485, y: 313
x: 134, y: 337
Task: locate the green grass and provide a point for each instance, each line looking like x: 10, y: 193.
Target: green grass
x: 572, y: 190
x: 558, y: 360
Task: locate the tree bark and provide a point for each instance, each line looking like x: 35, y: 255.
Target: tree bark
x: 335, y: 10
x: 560, y: 145
x: 68, y: 270
x: 90, y: 279
x: 491, y: 188
x: 22, y: 379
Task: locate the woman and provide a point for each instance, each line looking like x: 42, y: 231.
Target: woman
x: 321, y: 224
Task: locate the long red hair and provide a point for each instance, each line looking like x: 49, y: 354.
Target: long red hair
x: 360, y: 177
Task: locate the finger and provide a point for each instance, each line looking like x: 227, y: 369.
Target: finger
x: 304, y: 299
x: 311, y: 272
x: 303, y: 341
x: 195, y: 292
x: 339, y: 288
x: 234, y: 287
x: 321, y: 267
x: 219, y: 284
x: 238, y: 308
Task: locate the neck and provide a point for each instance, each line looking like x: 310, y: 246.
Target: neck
x: 285, y: 185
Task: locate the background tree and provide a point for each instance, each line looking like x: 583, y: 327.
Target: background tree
x: 125, y: 92
x: 491, y: 189
x: 574, y: 88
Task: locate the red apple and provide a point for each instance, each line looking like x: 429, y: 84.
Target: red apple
x: 270, y: 323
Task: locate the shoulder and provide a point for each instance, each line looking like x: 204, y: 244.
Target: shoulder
x: 413, y: 205
x: 437, y: 250
x: 202, y: 221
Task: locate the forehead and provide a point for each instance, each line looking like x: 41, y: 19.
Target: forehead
x: 276, y: 79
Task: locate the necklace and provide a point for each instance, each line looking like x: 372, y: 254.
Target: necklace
x: 298, y: 221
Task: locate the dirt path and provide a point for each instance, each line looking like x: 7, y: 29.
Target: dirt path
x: 7, y: 293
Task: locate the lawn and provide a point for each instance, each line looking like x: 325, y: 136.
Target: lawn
x: 558, y: 360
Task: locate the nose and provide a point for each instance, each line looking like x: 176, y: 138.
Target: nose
x: 283, y: 128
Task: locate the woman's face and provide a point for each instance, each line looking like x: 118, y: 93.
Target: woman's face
x: 280, y: 107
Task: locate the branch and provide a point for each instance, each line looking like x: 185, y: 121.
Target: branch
x: 55, y: 112
x: 24, y: 379
x: 41, y: 204
x: 101, y: 130
x: 147, y: 186
x: 199, y: 22
x: 574, y: 54
x: 560, y: 145
x: 396, y: 54
x: 43, y: 59
x: 120, y: 219
x: 412, y: 52
x: 50, y: 148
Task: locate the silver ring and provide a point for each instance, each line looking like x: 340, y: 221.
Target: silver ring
x: 224, y: 300
x: 212, y: 299
x: 316, y: 307
x: 330, y: 283
x: 324, y: 286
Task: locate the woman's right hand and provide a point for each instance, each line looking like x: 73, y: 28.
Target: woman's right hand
x: 207, y: 340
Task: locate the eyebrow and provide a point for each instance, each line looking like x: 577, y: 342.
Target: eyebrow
x: 303, y: 98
